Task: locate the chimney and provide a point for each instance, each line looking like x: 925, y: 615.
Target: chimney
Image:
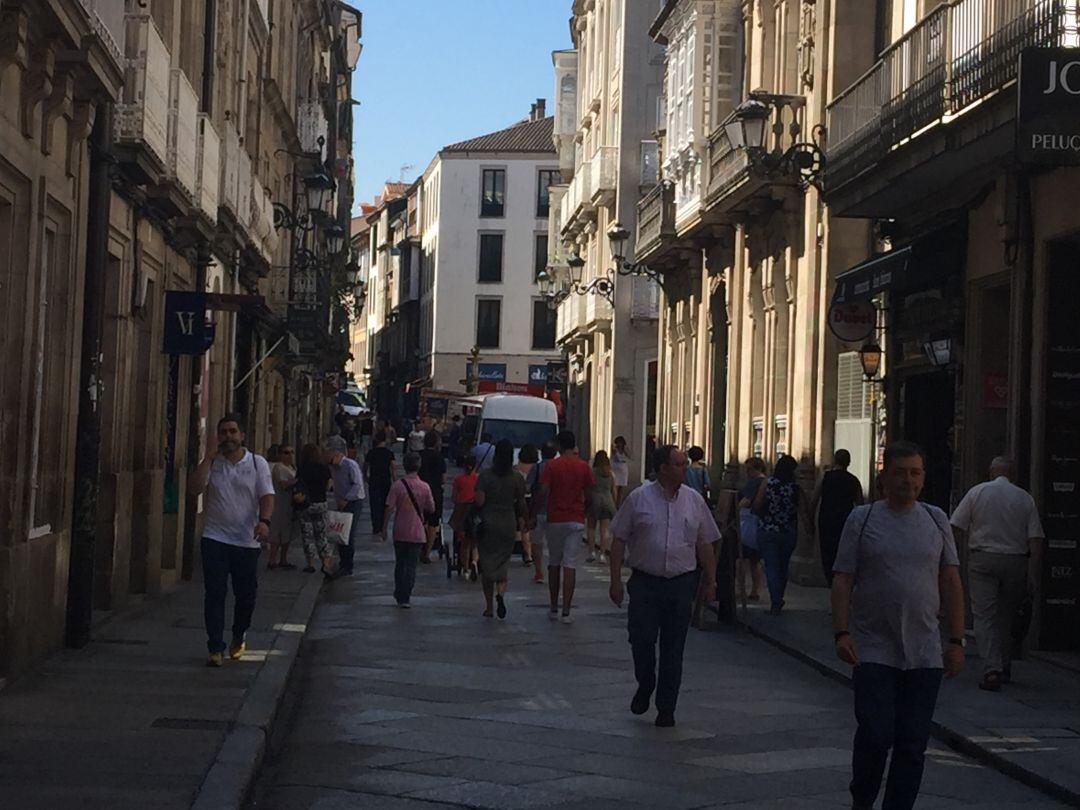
x: 541, y: 109
x: 532, y: 113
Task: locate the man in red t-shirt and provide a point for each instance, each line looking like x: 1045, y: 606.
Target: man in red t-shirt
x: 565, y: 483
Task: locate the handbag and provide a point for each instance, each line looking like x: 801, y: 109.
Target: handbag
x: 749, y: 523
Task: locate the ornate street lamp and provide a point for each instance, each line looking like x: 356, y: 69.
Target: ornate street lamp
x: 317, y: 187
x: 748, y: 125
x: 576, y: 265
x: 618, y: 236
x: 335, y: 238
x: 870, y: 358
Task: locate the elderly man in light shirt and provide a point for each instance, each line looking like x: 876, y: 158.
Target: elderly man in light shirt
x: 349, y: 492
x: 667, y: 530
x: 1004, y: 538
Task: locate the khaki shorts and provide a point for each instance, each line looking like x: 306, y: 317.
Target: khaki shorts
x: 563, y: 541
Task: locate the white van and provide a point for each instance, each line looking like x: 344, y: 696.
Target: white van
x: 521, y: 419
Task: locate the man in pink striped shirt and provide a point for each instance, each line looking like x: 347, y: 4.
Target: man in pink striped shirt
x: 666, y: 530
x: 407, y: 503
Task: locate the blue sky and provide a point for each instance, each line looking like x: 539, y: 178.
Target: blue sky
x: 438, y: 71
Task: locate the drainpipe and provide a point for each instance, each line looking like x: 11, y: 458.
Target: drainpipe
x: 80, y: 596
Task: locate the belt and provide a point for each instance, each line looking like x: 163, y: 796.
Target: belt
x: 639, y: 572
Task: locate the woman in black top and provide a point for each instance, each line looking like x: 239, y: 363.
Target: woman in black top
x: 838, y: 493
x: 433, y: 473
x: 309, y: 498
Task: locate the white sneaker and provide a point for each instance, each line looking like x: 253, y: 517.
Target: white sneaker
x: 603, y: 557
x: 591, y: 557
x: 566, y: 618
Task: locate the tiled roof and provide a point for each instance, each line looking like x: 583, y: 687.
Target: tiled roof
x: 526, y: 136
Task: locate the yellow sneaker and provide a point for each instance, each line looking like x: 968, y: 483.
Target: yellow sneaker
x: 236, y: 650
x: 215, y: 660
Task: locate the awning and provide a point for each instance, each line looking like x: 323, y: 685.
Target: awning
x: 876, y: 274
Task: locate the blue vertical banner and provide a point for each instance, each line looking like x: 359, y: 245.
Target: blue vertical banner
x: 185, y: 323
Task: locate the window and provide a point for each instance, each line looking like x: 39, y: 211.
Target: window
x: 491, y: 258
x: 488, y: 322
x: 548, y: 177
x: 540, y: 257
x: 543, y: 336
x: 493, y: 199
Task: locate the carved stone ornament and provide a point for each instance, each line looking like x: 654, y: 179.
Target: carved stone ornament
x: 37, y: 85
x: 58, y: 104
x: 14, y: 26
x: 79, y: 128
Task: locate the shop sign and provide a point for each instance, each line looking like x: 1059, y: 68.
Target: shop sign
x: 185, y: 323
x: 495, y: 387
x: 1048, y: 114
x: 557, y: 372
x: 538, y: 374
x: 487, y: 371
x: 853, y: 322
x: 996, y: 390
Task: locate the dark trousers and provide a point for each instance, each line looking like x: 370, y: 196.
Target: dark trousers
x: 347, y: 552
x: 829, y: 531
x: 776, y: 550
x: 406, y: 556
x: 377, y: 494
x: 220, y: 561
x: 894, y: 709
x: 660, y: 609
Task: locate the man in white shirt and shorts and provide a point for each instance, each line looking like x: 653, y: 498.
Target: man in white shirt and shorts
x: 237, y: 509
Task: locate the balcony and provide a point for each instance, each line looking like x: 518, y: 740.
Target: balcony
x: 557, y: 253
x: 230, y: 173
x: 735, y: 184
x: 142, y: 117
x: 208, y: 175
x: 598, y: 311
x: 243, y: 190
x: 650, y: 164
x: 570, y: 318
x: 655, y: 223
x: 954, y: 58
x: 577, y: 204
x: 182, y: 162
x: 605, y: 171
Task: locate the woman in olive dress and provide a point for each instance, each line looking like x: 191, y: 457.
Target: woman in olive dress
x: 500, y: 497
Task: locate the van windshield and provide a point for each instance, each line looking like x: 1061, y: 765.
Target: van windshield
x: 518, y: 432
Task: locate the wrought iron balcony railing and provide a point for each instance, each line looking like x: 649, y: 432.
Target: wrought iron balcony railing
x: 955, y: 56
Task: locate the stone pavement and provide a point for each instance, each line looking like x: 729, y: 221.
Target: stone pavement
x: 1031, y: 729
x: 436, y: 707
x: 135, y: 720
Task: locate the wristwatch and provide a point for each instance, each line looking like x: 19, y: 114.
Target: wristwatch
x: 960, y: 641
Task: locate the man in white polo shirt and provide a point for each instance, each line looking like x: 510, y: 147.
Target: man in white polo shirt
x: 1004, y: 538
x: 236, y: 520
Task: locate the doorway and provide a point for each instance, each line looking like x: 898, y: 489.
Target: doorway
x: 929, y: 403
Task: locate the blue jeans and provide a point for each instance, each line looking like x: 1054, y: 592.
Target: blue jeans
x: 894, y: 709
x: 776, y: 549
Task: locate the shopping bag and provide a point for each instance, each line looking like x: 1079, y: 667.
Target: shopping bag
x: 748, y: 528
x: 338, y: 525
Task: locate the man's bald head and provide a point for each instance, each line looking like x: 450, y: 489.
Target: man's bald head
x: 1002, y: 465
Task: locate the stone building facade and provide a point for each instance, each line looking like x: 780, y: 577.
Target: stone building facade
x: 152, y: 140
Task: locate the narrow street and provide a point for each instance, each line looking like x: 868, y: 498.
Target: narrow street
x: 437, y: 707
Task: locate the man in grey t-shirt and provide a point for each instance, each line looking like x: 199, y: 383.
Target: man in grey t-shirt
x: 896, y: 567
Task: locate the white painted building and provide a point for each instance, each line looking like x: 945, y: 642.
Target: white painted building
x: 484, y: 218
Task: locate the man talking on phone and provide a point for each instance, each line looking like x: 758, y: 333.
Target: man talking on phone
x: 895, y: 570
x: 236, y: 522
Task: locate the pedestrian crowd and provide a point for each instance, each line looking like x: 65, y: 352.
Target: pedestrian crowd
x: 892, y: 564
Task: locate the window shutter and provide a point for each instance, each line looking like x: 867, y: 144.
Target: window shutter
x: 851, y: 395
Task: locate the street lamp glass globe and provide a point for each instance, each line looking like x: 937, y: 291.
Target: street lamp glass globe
x: 576, y: 265
x: 317, y: 186
x: 544, y: 281
x: 618, y: 235
x: 335, y: 239
x: 751, y: 117
x: 870, y: 358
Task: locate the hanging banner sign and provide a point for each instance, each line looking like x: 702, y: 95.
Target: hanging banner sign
x: 185, y: 323
x: 852, y: 322
x: 1048, y: 107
